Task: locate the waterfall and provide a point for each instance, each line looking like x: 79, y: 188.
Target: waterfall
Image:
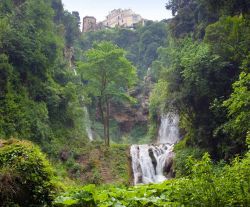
x: 88, y: 124
x: 169, y: 130
x: 74, y: 70
x: 87, y: 119
x: 151, y: 162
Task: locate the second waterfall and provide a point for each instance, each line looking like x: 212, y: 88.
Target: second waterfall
x: 151, y: 163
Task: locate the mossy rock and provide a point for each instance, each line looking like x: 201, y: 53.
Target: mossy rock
x: 26, y: 177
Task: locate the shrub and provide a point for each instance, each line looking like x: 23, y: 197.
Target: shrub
x: 26, y: 177
x: 181, y: 160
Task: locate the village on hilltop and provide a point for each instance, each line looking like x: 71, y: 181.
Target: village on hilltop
x: 125, y: 18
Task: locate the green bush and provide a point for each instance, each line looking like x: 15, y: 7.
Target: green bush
x: 182, y: 157
x: 26, y: 177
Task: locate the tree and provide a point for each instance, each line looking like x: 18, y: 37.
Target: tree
x: 40, y: 97
x: 199, y: 77
x: 190, y: 17
x: 141, y: 44
x: 176, y: 5
x: 71, y: 22
x: 108, y: 75
x: 229, y: 7
x: 238, y: 106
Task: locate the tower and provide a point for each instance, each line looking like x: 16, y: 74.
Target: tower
x: 88, y: 24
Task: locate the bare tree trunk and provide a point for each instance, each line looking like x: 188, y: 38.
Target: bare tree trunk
x: 103, y: 117
x: 105, y: 124
x: 105, y: 131
x: 108, y: 113
x: 105, y: 113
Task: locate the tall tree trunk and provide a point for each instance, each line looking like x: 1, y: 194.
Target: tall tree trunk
x: 103, y: 117
x: 105, y: 125
x: 105, y: 130
x: 108, y: 113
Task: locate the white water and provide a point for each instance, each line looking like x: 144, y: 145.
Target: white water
x: 149, y: 162
x: 169, y: 130
x: 74, y: 70
x: 88, y: 124
x: 87, y: 119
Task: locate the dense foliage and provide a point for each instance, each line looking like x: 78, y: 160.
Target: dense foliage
x: 26, y: 177
x: 109, y: 75
x: 199, y: 64
x: 40, y: 97
x: 205, y: 185
x: 205, y: 77
x: 141, y: 43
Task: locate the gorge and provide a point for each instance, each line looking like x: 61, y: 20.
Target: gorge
x: 157, y: 114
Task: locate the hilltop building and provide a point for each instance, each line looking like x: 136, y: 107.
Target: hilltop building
x: 122, y: 18
x: 89, y: 24
x: 116, y: 18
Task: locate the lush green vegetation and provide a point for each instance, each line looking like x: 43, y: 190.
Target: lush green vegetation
x: 205, y: 76
x: 94, y: 163
x: 26, y: 177
x: 109, y: 75
x: 199, y: 64
x: 40, y: 97
x: 141, y: 44
x: 206, y: 185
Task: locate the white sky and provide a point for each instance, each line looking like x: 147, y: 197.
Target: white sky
x: 148, y: 9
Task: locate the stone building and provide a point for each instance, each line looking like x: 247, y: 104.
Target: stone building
x: 89, y: 24
x: 122, y: 18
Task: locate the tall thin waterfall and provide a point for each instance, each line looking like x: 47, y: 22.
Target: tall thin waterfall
x: 74, y: 70
x: 88, y: 124
x: 87, y: 119
x: 150, y: 163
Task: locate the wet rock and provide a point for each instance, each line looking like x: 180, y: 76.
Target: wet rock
x: 168, y: 168
x: 151, y: 155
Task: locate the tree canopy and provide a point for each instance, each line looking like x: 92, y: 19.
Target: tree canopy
x: 203, y: 74
x: 39, y: 94
x: 108, y: 75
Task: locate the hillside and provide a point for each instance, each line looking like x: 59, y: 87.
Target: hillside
x: 154, y: 115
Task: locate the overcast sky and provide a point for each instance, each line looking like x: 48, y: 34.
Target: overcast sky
x: 148, y: 9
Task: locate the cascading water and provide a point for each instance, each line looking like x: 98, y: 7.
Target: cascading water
x: 169, y: 129
x: 87, y: 119
x: 74, y: 70
x: 88, y: 124
x: 149, y: 162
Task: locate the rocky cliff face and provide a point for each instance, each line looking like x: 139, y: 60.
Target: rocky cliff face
x: 128, y: 115
x: 69, y: 55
